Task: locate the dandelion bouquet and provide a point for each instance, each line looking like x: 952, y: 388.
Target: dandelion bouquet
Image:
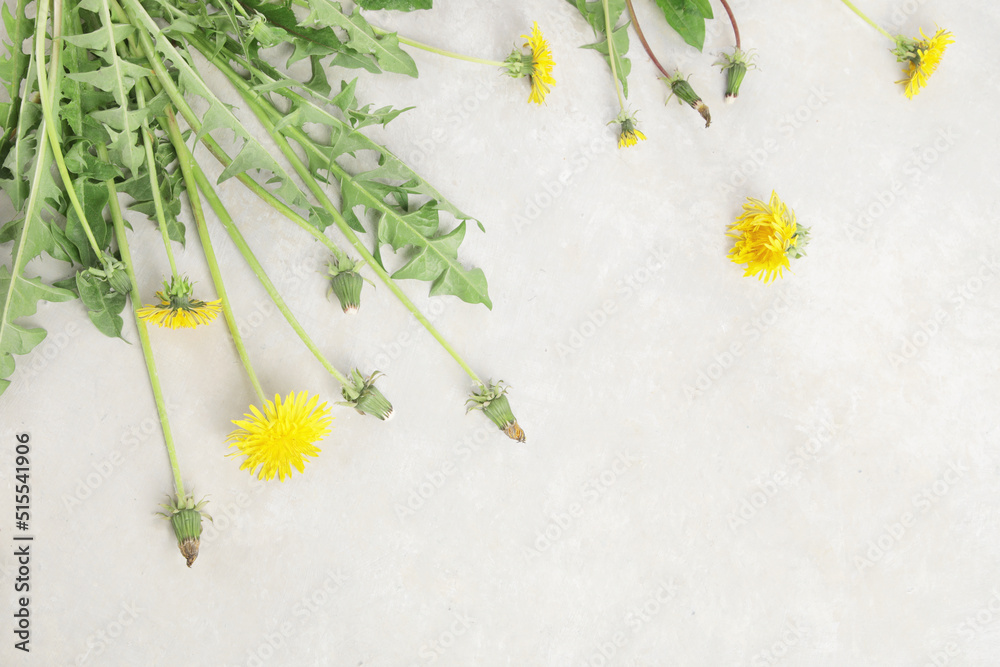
x: 108, y: 103
x: 102, y: 123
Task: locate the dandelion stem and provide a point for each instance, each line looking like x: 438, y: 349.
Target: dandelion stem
x: 441, y: 52
x: 223, y: 215
x: 609, y: 32
x: 49, y: 112
x: 186, y: 160
x: 268, y: 115
x: 220, y: 154
x: 216, y: 150
x: 867, y: 20
x: 732, y: 19
x: 238, y: 6
x: 161, y: 220
x: 240, y: 241
x: 198, y: 178
x: 642, y: 39
x: 147, y: 350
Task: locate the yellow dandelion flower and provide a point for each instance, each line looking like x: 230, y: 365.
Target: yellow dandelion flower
x: 281, y: 436
x: 542, y: 64
x: 177, y: 309
x: 921, y: 57
x: 537, y: 65
x: 628, y: 134
x: 766, y: 236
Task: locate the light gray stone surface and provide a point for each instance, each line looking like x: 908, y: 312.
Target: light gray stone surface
x: 717, y: 471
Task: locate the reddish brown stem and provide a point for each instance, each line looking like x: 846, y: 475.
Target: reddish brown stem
x: 642, y: 38
x: 732, y: 19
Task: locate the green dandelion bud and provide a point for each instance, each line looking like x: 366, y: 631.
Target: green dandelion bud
x: 113, y: 271
x: 492, y: 400
x: 735, y: 66
x: 256, y: 27
x: 734, y: 78
x: 362, y: 395
x: 347, y: 287
x: 120, y: 281
x: 345, y: 283
x: 185, y: 516
x: 680, y: 87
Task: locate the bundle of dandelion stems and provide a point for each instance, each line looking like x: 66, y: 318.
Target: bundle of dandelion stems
x: 105, y: 95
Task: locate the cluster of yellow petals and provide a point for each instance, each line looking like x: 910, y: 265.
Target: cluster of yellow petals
x: 629, y: 136
x: 172, y: 314
x: 542, y: 64
x: 282, y: 436
x: 929, y: 53
x: 764, y: 234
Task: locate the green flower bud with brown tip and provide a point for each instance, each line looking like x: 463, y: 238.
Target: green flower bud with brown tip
x: 680, y: 87
x: 346, y: 282
x: 185, y: 516
x: 364, y: 396
x: 735, y: 66
x: 492, y: 400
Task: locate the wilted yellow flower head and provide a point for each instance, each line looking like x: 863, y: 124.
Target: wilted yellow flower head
x: 537, y: 65
x: 921, y: 57
x: 766, y: 236
x: 177, y: 308
x: 628, y: 135
x: 282, y: 436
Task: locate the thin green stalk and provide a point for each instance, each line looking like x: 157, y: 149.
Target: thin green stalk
x: 48, y: 100
x: 217, y: 151
x: 178, y: 99
x: 193, y: 176
x: 220, y: 154
x: 269, y: 116
x: 441, y: 52
x: 241, y: 9
x: 609, y: 32
x: 140, y: 324
x: 184, y: 159
x: 166, y: 82
x: 159, y: 69
x: 147, y: 141
x: 867, y: 20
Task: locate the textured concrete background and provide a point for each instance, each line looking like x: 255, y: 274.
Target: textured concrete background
x: 717, y: 471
